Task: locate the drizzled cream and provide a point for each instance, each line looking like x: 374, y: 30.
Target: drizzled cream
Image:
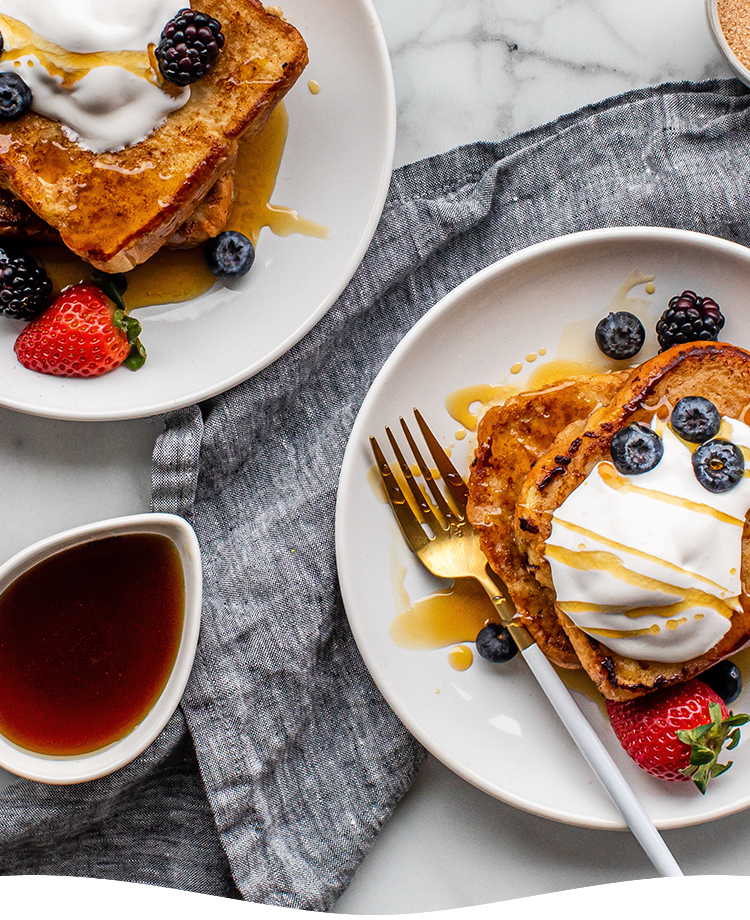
x: 89, y: 65
x: 650, y: 564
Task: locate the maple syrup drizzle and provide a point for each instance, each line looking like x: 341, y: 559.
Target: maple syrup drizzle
x: 179, y: 275
x: 71, y: 66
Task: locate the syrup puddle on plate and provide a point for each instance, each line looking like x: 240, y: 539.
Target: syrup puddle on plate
x: 178, y: 275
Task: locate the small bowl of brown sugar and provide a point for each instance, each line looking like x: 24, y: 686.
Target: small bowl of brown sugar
x: 729, y: 21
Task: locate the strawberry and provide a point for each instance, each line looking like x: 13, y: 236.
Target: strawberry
x: 677, y: 733
x: 81, y: 334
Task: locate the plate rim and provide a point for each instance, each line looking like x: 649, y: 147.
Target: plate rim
x: 354, y: 443
x: 159, y: 407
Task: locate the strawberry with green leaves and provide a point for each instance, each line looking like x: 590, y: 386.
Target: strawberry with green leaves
x: 83, y: 333
x: 677, y: 733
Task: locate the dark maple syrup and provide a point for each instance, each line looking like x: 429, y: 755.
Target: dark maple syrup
x: 88, y: 639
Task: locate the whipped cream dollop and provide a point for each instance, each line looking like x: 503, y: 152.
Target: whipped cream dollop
x: 649, y: 565
x: 88, y: 65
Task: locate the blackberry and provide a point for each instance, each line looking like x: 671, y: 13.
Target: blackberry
x: 620, y: 335
x: 495, y: 644
x: 15, y: 97
x: 696, y: 419
x: 636, y: 449
x: 229, y: 255
x: 25, y: 287
x: 689, y: 318
x: 718, y: 465
x: 189, y: 46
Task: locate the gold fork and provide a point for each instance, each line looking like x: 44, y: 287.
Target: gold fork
x: 451, y: 550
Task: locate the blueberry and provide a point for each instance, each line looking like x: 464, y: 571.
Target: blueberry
x: 15, y: 97
x: 636, y: 449
x: 724, y: 679
x: 696, y: 419
x: 620, y: 335
x: 230, y: 255
x: 718, y: 465
x: 494, y: 643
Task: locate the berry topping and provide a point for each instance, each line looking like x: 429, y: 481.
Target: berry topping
x: 25, y: 287
x: 636, y: 449
x: 82, y: 334
x: 15, y: 97
x: 189, y: 46
x: 718, y: 465
x: 724, y: 679
x: 696, y: 419
x: 620, y: 335
x: 494, y: 643
x: 229, y: 255
x: 677, y: 733
x: 689, y: 318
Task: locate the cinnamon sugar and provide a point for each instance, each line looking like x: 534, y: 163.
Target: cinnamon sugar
x: 734, y: 19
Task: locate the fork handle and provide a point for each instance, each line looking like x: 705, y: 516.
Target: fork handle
x: 586, y: 740
x: 601, y: 762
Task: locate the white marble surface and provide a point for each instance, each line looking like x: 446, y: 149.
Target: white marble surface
x: 474, y: 70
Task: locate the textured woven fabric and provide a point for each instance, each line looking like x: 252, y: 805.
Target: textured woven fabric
x: 273, y: 779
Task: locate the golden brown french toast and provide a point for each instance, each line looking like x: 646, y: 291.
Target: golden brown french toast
x: 18, y: 222
x: 117, y: 209
x: 512, y: 437
x: 718, y: 371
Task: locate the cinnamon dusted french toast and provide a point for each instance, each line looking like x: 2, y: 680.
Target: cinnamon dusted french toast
x: 116, y: 209
x: 582, y: 455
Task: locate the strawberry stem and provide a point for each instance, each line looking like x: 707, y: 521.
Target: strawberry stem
x: 706, y: 743
x: 114, y: 286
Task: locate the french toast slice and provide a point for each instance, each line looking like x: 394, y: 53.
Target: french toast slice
x: 719, y: 371
x: 511, y: 438
x: 208, y: 218
x: 18, y: 222
x: 117, y: 209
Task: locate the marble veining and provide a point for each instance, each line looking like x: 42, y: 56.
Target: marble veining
x: 487, y: 69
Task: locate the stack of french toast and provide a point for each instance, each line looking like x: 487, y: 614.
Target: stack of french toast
x: 538, y: 447
x: 116, y: 209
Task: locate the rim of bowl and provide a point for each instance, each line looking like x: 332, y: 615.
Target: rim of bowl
x: 68, y: 769
x: 712, y: 15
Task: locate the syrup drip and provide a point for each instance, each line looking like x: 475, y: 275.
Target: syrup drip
x: 460, y: 658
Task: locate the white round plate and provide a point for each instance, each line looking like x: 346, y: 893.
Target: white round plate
x: 335, y: 171
x: 491, y: 724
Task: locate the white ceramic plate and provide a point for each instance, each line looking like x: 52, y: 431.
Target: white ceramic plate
x: 335, y: 171
x: 491, y: 724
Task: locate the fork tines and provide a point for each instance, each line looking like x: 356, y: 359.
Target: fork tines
x: 455, y: 485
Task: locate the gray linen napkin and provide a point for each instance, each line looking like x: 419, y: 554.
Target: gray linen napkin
x: 273, y: 779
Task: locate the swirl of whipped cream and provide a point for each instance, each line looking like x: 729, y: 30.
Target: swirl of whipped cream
x: 88, y: 65
x: 649, y: 565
